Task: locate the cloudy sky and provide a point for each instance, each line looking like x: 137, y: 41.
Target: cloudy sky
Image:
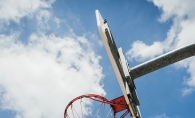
x: 51, y: 52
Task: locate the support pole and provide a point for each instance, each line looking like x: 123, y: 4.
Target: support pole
x: 162, y: 61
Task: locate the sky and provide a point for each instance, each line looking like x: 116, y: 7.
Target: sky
x: 51, y: 52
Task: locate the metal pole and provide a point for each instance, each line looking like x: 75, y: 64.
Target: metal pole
x: 162, y: 61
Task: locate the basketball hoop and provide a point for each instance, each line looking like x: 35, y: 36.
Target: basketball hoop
x: 115, y: 106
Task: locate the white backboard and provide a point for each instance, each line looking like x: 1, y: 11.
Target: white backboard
x: 113, y: 55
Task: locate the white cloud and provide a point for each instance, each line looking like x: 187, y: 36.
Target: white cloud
x: 180, y: 34
x: 178, y: 8
x: 186, y: 91
x: 43, y: 17
x: 14, y: 10
x: 140, y: 51
x: 38, y: 79
x: 160, y: 116
x: 57, y: 21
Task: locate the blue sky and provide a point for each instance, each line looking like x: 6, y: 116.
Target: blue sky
x: 51, y: 52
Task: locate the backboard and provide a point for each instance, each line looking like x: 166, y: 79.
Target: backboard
x: 120, y: 66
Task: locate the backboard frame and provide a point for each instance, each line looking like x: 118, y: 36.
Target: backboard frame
x: 119, y: 65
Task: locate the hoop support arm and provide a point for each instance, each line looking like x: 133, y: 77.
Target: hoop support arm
x: 162, y: 61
